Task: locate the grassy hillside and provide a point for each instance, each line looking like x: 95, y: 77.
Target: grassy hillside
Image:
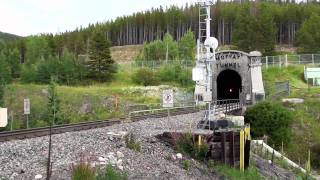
x: 306, y: 126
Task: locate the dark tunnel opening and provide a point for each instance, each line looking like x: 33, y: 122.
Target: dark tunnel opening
x: 229, y: 85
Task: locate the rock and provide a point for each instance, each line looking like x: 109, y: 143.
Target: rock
x: 173, y: 157
x: 38, y: 176
x: 112, y: 159
x: 85, y: 108
x: 117, y: 135
x: 293, y: 100
x: 120, y: 167
x: 119, y: 162
x: 236, y: 120
x: 44, y: 91
x: 179, y: 156
x: 101, y: 159
x: 120, y: 154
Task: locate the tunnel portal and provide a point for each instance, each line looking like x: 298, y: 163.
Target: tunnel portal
x: 229, y: 85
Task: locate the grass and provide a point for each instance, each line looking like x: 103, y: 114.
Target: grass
x: 250, y: 174
x: 306, y: 125
x: 185, y: 165
x: 83, y: 171
x: 111, y: 173
x: 132, y: 143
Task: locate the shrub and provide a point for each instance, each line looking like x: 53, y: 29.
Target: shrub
x: 111, y: 174
x: 186, y: 145
x: 83, y: 171
x: 186, y: 164
x: 169, y: 73
x: 185, y: 77
x: 270, y: 119
x: 144, y: 76
x: 131, y: 143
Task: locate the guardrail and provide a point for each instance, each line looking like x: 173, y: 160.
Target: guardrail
x: 162, y: 112
x: 226, y: 106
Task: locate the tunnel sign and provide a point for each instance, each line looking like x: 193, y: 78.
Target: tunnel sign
x: 167, y: 98
x: 26, y: 106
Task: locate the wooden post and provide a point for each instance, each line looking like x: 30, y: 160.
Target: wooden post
x: 223, y: 148
x: 267, y: 62
x: 231, y: 148
x: 286, y: 63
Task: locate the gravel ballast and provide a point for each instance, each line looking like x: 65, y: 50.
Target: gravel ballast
x: 24, y: 159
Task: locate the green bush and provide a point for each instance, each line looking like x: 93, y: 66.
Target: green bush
x: 132, y: 143
x: 169, y: 73
x: 185, y: 78
x: 144, y: 76
x: 186, y: 164
x: 186, y: 145
x: 111, y: 174
x: 271, y: 119
x: 83, y: 171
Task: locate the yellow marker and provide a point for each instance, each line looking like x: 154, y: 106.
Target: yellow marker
x: 199, y: 141
x: 242, y: 133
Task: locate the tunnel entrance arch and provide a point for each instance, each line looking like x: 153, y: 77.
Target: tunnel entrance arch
x: 229, y: 85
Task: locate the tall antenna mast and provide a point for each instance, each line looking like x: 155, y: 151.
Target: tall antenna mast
x: 206, y: 46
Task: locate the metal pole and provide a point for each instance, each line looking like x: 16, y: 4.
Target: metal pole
x: 11, y: 125
x: 49, y: 155
x: 27, y: 121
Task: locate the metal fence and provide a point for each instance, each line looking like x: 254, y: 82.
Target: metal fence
x: 267, y: 61
x: 153, y: 64
x: 286, y: 60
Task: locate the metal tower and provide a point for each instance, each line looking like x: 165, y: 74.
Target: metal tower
x: 206, y: 46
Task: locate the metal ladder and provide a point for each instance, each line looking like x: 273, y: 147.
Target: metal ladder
x: 205, y: 120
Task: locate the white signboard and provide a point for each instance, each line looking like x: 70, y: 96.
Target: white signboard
x: 3, y: 117
x: 26, y: 106
x: 167, y: 98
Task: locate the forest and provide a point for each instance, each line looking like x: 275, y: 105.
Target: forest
x: 246, y: 26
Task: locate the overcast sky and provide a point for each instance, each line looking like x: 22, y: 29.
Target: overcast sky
x: 27, y: 17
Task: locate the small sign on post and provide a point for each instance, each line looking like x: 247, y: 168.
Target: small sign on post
x: 26, y: 106
x: 167, y: 98
x: 3, y: 117
x: 26, y: 109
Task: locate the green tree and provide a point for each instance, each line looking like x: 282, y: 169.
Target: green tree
x: 309, y: 36
x: 2, y: 91
x: 187, y: 46
x: 53, y: 103
x: 270, y: 119
x: 100, y: 64
x: 5, y: 71
x: 171, y: 47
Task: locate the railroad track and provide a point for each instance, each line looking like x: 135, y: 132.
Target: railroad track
x: 133, y: 116
x: 38, y: 132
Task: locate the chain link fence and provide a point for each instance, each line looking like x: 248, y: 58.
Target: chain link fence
x: 286, y: 60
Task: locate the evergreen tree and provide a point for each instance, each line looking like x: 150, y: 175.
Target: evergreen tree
x: 100, y: 64
x: 187, y: 46
x: 309, y: 36
x: 171, y: 47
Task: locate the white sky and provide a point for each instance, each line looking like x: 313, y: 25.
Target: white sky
x: 27, y: 17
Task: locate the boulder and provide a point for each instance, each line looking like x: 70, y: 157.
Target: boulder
x: 293, y: 100
x: 236, y: 120
x: 179, y: 156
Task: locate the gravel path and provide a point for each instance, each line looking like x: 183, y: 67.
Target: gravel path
x: 24, y: 159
